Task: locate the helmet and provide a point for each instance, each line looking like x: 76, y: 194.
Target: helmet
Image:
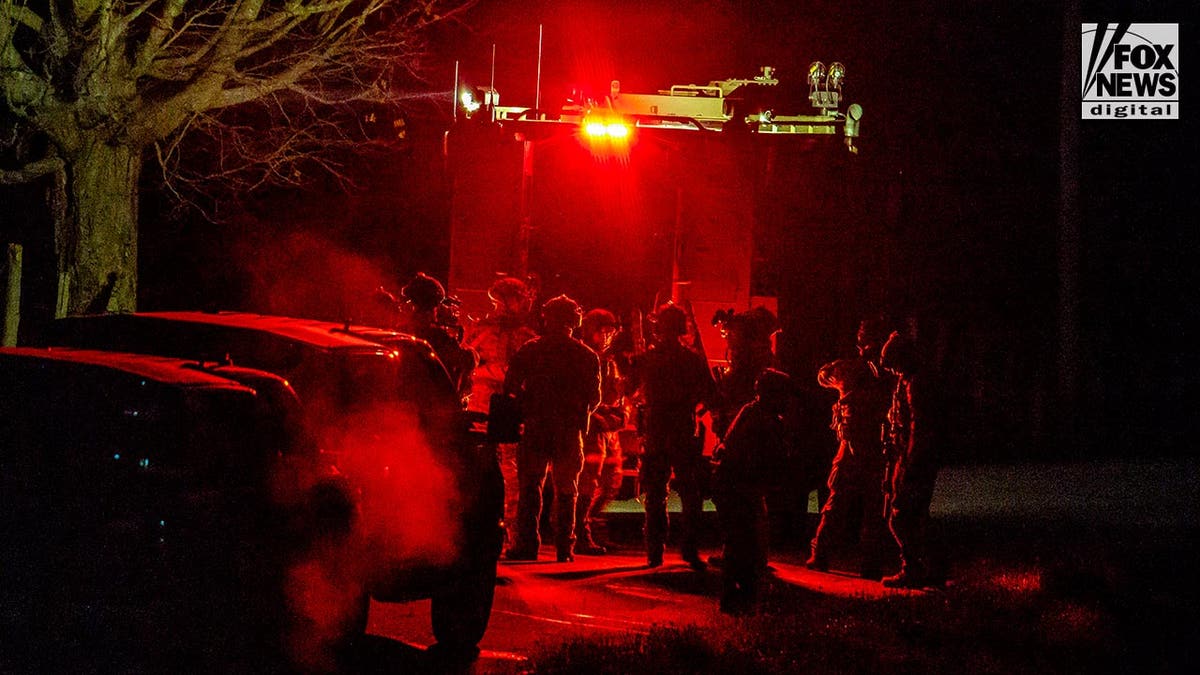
x: 562, y: 311
x: 670, y: 321
x: 424, y: 292
x: 773, y: 385
x: 598, y: 318
x: 754, y: 325
x: 899, y: 354
x: 508, y: 288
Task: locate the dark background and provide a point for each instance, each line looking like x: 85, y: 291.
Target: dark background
x: 1051, y: 258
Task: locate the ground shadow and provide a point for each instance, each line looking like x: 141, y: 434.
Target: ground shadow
x: 575, y: 575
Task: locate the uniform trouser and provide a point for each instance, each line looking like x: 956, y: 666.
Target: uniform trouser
x: 743, y: 515
x: 599, y: 480
x: 855, y: 491
x: 909, y: 519
x: 508, y: 468
x: 560, y: 450
x: 662, y: 454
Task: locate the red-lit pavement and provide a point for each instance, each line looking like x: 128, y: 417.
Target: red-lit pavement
x: 546, y: 602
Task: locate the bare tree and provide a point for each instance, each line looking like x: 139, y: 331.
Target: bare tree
x: 105, y: 81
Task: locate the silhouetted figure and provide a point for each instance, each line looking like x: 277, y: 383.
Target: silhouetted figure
x: 750, y: 352
x: 556, y: 380
x: 911, y: 449
x: 752, y: 457
x: 855, y: 496
x: 423, y: 297
x: 601, y: 476
x: 673, y: 381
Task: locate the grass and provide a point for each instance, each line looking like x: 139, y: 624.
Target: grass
x: 1034, y: 597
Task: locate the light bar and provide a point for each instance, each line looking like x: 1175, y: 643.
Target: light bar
x: 606, y: 128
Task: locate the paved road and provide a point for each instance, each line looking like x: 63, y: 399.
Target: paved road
x: 1161, y: 492
x: 547, y: 602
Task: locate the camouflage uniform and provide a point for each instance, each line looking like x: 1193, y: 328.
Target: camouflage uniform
x: 912, y: 453
x: 601, y: 476
x: 858, y: 468
x: 556, y: 378
x: 673, y: 381
x: 496, y: 339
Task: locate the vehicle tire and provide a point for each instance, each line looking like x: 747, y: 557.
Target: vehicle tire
x: 460, y: 614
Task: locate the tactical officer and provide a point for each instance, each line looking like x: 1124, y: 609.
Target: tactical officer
x: 673, y: 382
x: 423, y: 296
x: 751, y: 458
x: 496, y: 339
x: 498, y: 336
x: 748, y: 346
x: 601, y: 476
x: 864, y: 393
x: 556, y: 380
x: 912, y: 456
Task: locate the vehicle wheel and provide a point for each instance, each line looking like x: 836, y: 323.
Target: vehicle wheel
x: 460, y: 614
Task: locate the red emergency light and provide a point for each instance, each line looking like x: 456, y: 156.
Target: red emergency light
x: 606, y: 136
x: 602, y: 128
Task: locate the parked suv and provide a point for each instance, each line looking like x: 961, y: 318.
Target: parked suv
x: 387, y: 414
x: 156, y: 513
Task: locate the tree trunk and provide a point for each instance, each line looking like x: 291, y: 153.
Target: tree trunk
x: 98, y: 247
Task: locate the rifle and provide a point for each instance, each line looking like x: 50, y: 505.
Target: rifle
x: 638, y: 331
x: 697, y: 341
x: 889, y: 493
x: 894, y: 439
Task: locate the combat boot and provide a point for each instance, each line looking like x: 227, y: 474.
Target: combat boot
x: 654, y: 553
x: 692, y: 558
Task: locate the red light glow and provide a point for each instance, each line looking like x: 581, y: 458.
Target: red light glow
x: 607, y: 137
x: 596, y: 129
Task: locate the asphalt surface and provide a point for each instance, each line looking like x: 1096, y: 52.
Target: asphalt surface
x: 542, y: 603
x: 545, y: 602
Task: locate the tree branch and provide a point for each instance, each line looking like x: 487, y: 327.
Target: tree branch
x: 19, y: 14
x: 32, y: 170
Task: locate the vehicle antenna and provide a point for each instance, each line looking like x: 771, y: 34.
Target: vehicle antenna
x: 537, y: 92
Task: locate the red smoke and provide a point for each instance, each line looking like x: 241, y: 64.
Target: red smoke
x: 307, y: 275
x: 409, y: 500
x: 404, y: 517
